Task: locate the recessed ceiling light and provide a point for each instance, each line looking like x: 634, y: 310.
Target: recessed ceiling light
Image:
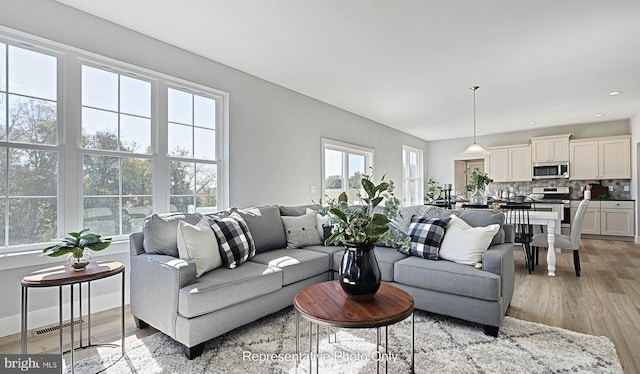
x: 600, y: 115
x: 532, y: 123
x: 614, y: 93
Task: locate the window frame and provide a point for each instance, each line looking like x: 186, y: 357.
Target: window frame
x: 418, y: 199
x: 347, y: 148
x: 69, y: 132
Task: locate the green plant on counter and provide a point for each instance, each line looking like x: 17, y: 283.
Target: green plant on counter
x: 478, y: 179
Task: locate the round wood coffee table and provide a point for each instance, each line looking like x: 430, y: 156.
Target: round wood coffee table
x: 326, y: 304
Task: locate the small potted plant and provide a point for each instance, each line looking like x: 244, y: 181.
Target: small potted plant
x: 478, y: 180
x: 77, y: 245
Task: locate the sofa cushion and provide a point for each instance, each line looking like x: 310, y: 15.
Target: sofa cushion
x: 386, y: 257
x: 426, y: 236
x: 198, y: 243
x: 160, y: 232
x: 224, y: 287
x: 234, y: 240
x: 403, y: 221
x: 296, y: 264
x: 448, y: 277
x: 302, y: 231
x: 465, y: 244
x: 297, y: 210
x: 265, y: 226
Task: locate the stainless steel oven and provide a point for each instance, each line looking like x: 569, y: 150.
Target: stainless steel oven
x: 555, y: 199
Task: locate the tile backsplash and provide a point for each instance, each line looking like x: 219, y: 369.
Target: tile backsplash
x: 575, y: 187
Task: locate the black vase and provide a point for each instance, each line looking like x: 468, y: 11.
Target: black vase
x: 359, y: 272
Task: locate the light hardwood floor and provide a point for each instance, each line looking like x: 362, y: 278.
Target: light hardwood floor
x: 605, y: 300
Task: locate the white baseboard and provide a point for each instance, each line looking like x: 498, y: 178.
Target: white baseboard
x: 42, y: 317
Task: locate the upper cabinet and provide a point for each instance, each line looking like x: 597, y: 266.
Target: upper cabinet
x: 550, y: 148
x: 510, y: 164
x: 602, y: 158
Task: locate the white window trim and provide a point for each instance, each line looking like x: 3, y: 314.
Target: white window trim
x: 420, y: 167
x: 70, y: 60
x: 368, y: 153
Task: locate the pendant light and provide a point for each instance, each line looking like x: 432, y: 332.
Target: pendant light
x: 474, y: 148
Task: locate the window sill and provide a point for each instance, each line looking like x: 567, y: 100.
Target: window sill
x: 18, y: 260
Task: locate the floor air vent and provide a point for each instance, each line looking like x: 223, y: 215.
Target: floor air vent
x: 55, y: 328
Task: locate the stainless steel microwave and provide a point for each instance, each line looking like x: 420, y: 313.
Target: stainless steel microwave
x: 550, y: 170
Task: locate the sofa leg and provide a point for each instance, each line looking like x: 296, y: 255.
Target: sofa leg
x: 193, y: 352
x: 140, y: 323
x: 491, y: 330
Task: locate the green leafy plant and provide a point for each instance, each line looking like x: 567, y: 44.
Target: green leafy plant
x: 478, y: 179
x: 368, y: 222
x: 76, y: 243
x: 433, y: 191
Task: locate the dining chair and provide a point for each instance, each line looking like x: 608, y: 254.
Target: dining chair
x: 517, y: 214
x: 571, y: 241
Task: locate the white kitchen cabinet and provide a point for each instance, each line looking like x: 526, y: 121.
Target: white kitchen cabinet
x: 604, y: 158
x: 615, y: 218
x: 550, y: 148
x: 510, y: 164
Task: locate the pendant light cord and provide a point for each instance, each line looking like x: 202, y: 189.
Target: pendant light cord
x: 474, y: 88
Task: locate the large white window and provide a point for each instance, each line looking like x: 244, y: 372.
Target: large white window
x: 343, y: 167
x: 117, y: 144
x: 116, y: 125
x: 412, y: 176
x: 193, y: 169
x: 29, y: 151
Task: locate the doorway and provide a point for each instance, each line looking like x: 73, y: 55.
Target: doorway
x: 461, y: 178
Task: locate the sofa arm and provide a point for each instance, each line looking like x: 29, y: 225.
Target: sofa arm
x: 155, y: 283
x: 498, y: 259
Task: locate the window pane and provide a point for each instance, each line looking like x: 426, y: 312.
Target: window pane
x: 206, y: 188
x: 99, y: 88
x: 184, y: 204
x: 101, y: 215
x: 135, y: 96
x: 135, y: 134
x: 204, y: 112
x: 180, y: 108
x: 3, y: 165
x: 333, y: 183
x: 33, y: 172
x: 32, y: 220
x: 99, y: 129
x: 100, y: 175
x: 356, y: 170
x: 136, y: 208
x: 32, y: 120
x: 204, y: 144
x: 32, y: 74
x: 136, y: 176
x: 180, y: 140
x: 3, y: 236
x: 3, y: 116
x: 181, y: 178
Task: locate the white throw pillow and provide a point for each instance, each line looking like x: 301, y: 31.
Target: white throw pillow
x: 198, y: 243
x: 320, y: 221
x: 465, y: 244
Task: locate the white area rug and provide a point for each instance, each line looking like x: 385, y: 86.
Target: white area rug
x: 443, y: 345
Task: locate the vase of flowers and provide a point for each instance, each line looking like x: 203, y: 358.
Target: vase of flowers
x: 478, y: 181
x: 359, y: 228
x: 77, y: 246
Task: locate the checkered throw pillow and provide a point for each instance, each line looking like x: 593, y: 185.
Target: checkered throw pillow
x: 234, y: 240
x: 426, y: 236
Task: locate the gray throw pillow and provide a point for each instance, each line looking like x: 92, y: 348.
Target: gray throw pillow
x: 265, y: 226
x: 407, y: 212
x: 302, y: 231
x: 160, y: 232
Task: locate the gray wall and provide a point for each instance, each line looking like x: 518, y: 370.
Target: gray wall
x: 275, y: 133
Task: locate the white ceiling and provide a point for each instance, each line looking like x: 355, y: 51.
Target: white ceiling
x: 409, y: 64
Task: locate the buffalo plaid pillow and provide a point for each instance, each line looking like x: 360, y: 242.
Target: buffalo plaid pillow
x: 426, y: 236
x: 234, y: 240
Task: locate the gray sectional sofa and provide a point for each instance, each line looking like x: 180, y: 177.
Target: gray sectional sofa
x: 166, y: 294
